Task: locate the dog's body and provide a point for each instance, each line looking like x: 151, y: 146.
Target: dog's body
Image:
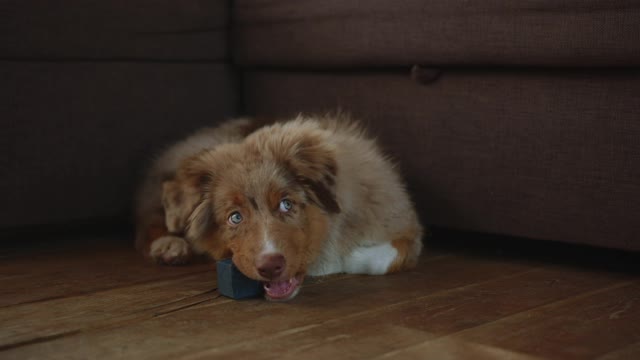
x: 310, y: 196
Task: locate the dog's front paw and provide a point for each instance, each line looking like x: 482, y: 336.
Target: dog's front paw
x: 170, y: 250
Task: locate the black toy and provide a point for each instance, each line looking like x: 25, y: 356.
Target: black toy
x: 234, y: 284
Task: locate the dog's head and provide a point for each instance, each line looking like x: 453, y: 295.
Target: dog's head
x: 266, y: 201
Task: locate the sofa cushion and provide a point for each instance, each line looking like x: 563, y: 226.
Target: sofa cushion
x: 76, y: 137
x: 545, y: 155
x: 120, y: 29
x: 348, y: 33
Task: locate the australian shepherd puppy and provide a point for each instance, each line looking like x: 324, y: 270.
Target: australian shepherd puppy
x: 310, y: 196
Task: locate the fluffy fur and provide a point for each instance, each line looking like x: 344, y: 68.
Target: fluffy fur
x: 311, y: 196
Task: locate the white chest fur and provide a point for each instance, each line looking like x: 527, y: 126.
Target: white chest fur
x: 371, y: 260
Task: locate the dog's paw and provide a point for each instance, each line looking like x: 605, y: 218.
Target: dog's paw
x: 170, y: 250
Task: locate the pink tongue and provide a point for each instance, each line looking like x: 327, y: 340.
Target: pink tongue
x: 277, y: 288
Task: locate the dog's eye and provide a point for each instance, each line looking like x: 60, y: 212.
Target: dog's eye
x: 235, y: 218
x: 285, y: 205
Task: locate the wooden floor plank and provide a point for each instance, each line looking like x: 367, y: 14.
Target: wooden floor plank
x: 445, y: 349
x: 40, y: 277
x: 377, y: 331
x: 581, y: 327
x: 35, y: 322
x: 77, y: 269
x: 211, y: 325
x: 102, y: 300
x: 624, y: 353
x: 39, y: 321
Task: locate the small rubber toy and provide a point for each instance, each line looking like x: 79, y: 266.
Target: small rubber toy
x: 234, y: 284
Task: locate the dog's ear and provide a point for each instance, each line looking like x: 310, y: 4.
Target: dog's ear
x: 313, y: 164
x: 187, y: 201
x: 179, y: 202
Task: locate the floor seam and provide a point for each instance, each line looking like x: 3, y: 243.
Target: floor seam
x: 542, y: 306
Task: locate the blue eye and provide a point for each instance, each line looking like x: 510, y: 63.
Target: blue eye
x: 235, y: 218
x: 285, y: 205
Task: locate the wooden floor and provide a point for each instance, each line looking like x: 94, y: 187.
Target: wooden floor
x: 98, y: 299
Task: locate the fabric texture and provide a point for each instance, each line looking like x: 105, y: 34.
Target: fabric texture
x: 76, y: 136
x: 538, y: 154
x: 118, y: 29
x: 377, y: 33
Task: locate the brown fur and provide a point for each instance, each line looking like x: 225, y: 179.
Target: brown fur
x: 347, y: 200
x: 407, y: 256
x: 239, y: 176
x: 165, y: 201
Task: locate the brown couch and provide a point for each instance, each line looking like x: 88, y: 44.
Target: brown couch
x: 521, y: 118
x: 92, y: 89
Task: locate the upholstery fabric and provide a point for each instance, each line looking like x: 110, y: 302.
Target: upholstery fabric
x: 76, y: 136
x: 539, y: 154
x: 117, y: 29
x: 377, y: 33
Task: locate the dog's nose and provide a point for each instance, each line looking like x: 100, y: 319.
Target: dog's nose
x: 271, y: 266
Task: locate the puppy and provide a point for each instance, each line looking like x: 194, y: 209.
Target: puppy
x: 311, y: 196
